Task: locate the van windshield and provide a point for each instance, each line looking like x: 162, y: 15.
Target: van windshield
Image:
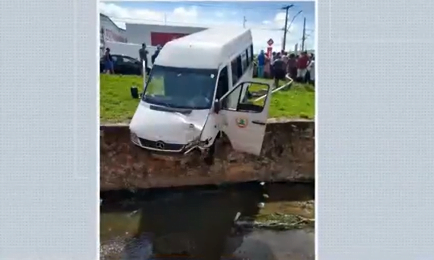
x: 180, y: 87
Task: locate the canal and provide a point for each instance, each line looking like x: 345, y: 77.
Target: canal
x: 243, y: 221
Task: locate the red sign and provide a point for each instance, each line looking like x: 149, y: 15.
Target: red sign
x: 270, y: 42
x: 160, y: 38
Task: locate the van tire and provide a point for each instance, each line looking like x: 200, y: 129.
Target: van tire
x: 209, y: 157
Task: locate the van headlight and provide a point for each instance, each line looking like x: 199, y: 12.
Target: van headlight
x: 134, y: 138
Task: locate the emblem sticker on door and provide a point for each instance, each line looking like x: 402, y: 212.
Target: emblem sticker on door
x: 241, y: 122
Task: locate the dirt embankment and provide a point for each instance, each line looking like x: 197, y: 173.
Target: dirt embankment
x: 288, y: 154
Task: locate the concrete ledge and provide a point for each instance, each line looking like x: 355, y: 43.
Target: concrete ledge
x: 288, y: 154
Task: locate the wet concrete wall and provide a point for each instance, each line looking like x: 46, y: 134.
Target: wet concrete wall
x: 288, y: 154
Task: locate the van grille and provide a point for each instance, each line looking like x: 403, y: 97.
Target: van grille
x: 167, y: 146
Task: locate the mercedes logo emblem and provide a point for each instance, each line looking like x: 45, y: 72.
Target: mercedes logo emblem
x: 160, y: 145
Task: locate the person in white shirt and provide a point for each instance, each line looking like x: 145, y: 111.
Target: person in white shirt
x: 311, y: 69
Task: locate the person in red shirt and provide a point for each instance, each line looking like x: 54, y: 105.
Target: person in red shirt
x: 302, y: 64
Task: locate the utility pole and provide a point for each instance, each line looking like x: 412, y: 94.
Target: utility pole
x: 304, y: 35
x: 244, y: 22
x: 286, y: 8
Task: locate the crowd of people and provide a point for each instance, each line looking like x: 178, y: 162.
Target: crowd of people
x: 301, y: 68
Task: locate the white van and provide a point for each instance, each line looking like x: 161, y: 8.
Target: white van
x: 200, y: 86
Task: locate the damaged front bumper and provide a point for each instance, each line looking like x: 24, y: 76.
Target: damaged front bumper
x: 169, y: 148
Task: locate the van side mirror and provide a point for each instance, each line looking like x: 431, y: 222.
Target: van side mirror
x: 217, y: 106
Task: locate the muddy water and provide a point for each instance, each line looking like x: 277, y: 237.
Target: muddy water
x: 199, y: 223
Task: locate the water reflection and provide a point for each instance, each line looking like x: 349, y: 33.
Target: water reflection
x: 192, y: 222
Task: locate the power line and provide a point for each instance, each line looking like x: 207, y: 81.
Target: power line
x: 293, y: 18
x: 222, y: 6
x: 165, y: 21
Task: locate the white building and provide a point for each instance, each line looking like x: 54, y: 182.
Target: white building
x: 151, y: 34
x: 154, y: 35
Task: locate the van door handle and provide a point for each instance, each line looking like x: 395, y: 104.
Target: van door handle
x: 258, y: 122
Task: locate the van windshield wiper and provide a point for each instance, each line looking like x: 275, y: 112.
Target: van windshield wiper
x: 156, y: 101
x: 171, y: 109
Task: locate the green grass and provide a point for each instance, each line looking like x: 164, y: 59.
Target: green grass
x: 117, y: 105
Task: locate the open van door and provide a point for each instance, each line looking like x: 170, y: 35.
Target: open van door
x: 244, y: 121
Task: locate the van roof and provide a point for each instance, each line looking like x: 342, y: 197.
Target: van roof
x: 205, y: 49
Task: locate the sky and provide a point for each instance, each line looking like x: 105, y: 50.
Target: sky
x: 265, y: 19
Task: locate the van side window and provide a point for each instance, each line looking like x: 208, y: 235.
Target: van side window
x: 236, y: 69
x: 240, y: 64
x: 223, y: 83
x: 244, y: 61
x: 240, y: 67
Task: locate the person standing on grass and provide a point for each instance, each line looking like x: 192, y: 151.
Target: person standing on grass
x: 291, y: 66
x: 285, y: 57
x: 312, y: 70
x: 275, y: 56
x: 279, y: 70
x: 302, y: 64
x: 108, y: 62
x: 261, y: 64
x: 143, y: 53
x: 272, y: 59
